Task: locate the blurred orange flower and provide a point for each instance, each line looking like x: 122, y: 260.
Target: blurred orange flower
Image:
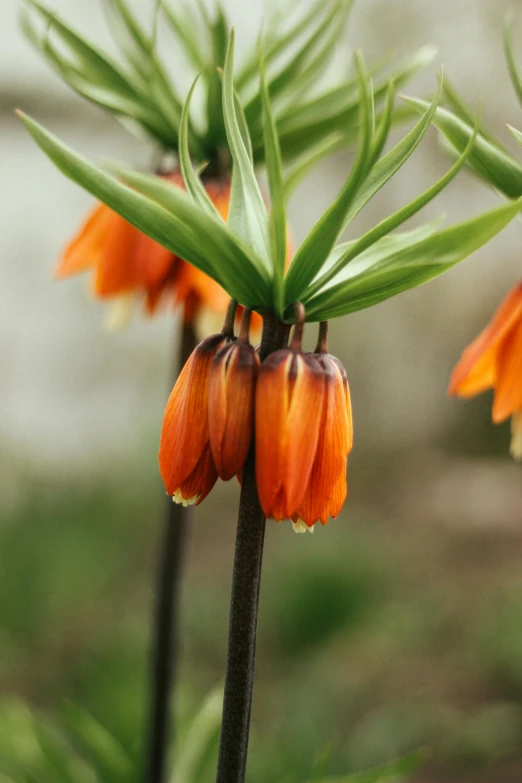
x: 494, y: 360
x: 129, y: 266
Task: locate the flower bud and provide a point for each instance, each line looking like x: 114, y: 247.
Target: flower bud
x: 326, y: 489
x: 289, y: 402
x: 231, y: 398
x: 185, y: 456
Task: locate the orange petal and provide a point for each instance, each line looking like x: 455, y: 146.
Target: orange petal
x: 476, y: 370
x: 508, y: 386
x: 271, y: 410
x: 196, y: 487
x: 116, y: 271
x: 231, y: 406
x: 326, y: 489
x: 302, y: 430
x: 184, y: 435
x: 86, y: 249
x: 288, y: 413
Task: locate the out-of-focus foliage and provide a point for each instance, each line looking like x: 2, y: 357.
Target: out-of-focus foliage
x: 138, y: 86
x: 489, y: 159
x: 408, y: 636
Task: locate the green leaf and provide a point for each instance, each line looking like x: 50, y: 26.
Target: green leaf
x: 394, y: 772
x: 219, y: 39
x: 380, y: 136
x: 279, y: 45
x: 192, y: 181
x: 178, y: 225
x: 336, y: 110
x: 491, y: 163
x: 98, y: 78
x: 462, y: 111
x: 277, y: 195
x: 247, y: 216
x: 391, y: 223
x: 99, y: 746
x: 203, y: 732
x: 186, y: 31
x: 96, y: 63
x: 516, y: 134
x: 285, y: 77
x: 319, y: 242
x: 301, y: 168
x: 387, y: 166
x: 390, y: 266
x: 514, y: 72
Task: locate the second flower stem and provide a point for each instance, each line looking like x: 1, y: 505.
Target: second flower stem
x: 165, y: 641
x: 244, y: 604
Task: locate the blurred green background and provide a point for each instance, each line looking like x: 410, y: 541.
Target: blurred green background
x: 397, y: 626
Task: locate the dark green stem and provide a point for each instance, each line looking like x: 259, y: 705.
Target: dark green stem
x: 239, y: 679
x: 165, y: 641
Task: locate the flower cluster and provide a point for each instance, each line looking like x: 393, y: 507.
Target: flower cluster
x: 295, y: 405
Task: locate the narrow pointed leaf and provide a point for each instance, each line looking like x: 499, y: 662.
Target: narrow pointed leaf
x: 203, y: 732
x: 184, y: 29
x: 304, y: 126
x: 247, y: 215
x: 374, y: 277
x: 459, y: 107
x: 491, y: 163
x: 319, y: 242
x: 516, y: 134
x: 277, y: 197
x: 185, y: 230
x: 278, y: 46
x: 514, y: 73
x: 391, y: 223
x: 284, y: 79
x: 99, y: 746
x: 387, y: 166
x: 192, y: 181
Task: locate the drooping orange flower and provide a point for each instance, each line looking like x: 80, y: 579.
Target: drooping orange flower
x: 231, y: 398
x: 128, y: 265
x: 185, y: 456
x: 494, y: 360
x: 289, y: 403
x: 326, y: 489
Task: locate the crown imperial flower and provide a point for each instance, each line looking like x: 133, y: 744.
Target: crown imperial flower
x: 494, y: 360
x: 231, y: 398
x: 185, y: 456
x: 326, y: 489
x: 289, y: 400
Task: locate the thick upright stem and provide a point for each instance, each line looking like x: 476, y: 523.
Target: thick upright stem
x: 165, y: 640
x: 244, y: 604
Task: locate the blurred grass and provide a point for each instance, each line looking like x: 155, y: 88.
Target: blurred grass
x: 376, y: 635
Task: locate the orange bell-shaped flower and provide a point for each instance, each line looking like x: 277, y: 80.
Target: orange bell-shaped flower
x: 494, y: 360
x: 231, y: 398
x: 185, y: 457
x: 289, y: 400
x: 326, y: 489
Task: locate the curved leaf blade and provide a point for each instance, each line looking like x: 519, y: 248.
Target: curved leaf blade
x: 374, y: 278
x: 186, y: 231
x: 491, y: 163
x: 247, y: 215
